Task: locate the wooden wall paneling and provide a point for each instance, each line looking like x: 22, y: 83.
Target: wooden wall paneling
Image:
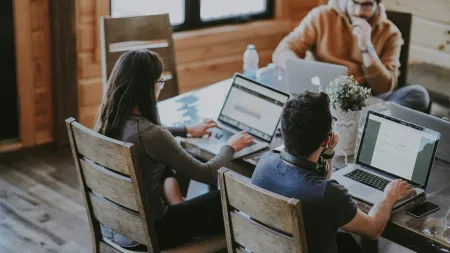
x: 64, y: 78
x: 214, y: 70
x: 420, y: 54
x: 39, y: 18
x: 88, y: 68
x: 90, y: 92
x: 25, y: 80
x: 88, y: 115
x: 43, y: 82
x: 436, y: 10
x: 431, y: 34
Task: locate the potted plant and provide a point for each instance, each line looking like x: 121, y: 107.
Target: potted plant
x: 347, y: 98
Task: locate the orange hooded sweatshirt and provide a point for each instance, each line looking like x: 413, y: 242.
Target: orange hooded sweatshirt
x: 327, y: 32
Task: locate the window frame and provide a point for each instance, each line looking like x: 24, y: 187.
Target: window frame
x: 192, y: 17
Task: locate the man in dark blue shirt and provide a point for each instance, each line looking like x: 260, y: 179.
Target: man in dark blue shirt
x: 303, y: 169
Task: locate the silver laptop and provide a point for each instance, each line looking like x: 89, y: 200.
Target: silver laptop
x: 390, y: 149
x: 299, y: 73
x: 428, y: 121
x: 249, y: 106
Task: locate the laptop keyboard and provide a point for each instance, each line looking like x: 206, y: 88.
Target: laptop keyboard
x: 368, y: 179
x: 224, y: 136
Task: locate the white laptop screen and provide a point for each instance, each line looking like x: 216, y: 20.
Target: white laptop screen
x: 399, y: 148
x: 253, y: 107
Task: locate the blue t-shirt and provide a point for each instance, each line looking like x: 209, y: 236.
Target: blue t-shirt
x: 326, y: 205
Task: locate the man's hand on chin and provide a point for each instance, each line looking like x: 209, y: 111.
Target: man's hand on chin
x: 362, y: 31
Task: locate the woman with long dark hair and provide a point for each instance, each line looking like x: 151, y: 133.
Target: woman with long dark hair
x: 129, y: 113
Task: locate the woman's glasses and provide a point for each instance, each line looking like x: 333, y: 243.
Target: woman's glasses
x: 162, y: 81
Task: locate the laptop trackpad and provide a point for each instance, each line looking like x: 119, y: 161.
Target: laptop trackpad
x: 360, y: 191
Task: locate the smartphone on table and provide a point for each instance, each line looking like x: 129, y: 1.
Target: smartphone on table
x: 422, y: 209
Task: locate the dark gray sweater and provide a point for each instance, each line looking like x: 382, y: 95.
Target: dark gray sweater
x: 156, y: 149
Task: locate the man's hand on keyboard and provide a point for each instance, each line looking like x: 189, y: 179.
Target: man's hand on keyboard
x: 398, y: 189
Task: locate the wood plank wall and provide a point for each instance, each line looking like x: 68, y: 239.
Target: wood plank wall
x: 430, y: 38
x: 203, y: 56
x: 33, y: 71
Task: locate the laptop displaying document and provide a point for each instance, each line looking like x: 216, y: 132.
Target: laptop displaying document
x: 390, y: 149
x: 428, y: 121
x: 299, y: 73
x: 249, y: 106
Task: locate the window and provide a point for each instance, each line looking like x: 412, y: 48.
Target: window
x: 211, y: 9
x: 192, y: 14
x: 175, y: 8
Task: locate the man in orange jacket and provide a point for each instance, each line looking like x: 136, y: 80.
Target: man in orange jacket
x: 356, y: 34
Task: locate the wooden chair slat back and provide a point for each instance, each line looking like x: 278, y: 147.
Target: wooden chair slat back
x: 259, y: 220
x: 110, y: 185
x: 102, y: 150
x: 119, y: 219
x: 137, y: 28
x: 403, y: 21
x: 262, y: 205
x: 154, y: 33
x: 257, y: 238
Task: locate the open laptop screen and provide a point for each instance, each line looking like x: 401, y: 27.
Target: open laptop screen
x: 398, y: 148
x: 253, y: 107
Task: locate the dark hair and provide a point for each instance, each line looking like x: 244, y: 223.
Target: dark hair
x: 305, y: 123
x: 131, y: 84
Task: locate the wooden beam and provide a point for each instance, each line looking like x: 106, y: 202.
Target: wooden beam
x: 436, y: 10
x: 64, y: 65
x: 24, y: 67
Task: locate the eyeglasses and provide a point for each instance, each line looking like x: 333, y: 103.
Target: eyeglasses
x: 365, y: 5
x: 162, y: 82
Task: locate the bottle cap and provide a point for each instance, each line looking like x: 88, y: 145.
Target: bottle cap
x: 251, y: 47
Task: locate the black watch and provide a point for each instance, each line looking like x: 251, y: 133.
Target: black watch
x: 325, y: 156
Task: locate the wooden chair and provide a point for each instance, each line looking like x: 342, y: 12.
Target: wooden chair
x: 114, y: 192
x: 119, y: 35
x: 403, y: 21
x: 257, y: 220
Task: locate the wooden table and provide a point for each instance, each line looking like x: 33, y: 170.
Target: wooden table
x: 427, y: 234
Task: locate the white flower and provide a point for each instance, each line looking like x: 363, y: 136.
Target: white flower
x: 347, y: 95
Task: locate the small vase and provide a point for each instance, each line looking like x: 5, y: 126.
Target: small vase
x: 347, y: 126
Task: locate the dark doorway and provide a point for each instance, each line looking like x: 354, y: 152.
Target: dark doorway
x: 9, y: 110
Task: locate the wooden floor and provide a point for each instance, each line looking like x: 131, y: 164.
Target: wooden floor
x: 41, y: 209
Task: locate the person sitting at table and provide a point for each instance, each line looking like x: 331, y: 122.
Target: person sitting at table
x: 306, y: 127
x: 129, y: 113
x: 356, y: 34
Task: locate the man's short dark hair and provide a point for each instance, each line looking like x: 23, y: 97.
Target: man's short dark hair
x: 305, y: 122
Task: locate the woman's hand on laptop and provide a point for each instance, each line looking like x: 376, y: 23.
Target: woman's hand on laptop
x: 398, y: 189
x: 202, y: 128
x: 240, y: 141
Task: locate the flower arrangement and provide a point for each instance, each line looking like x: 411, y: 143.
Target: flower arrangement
x: 347, y: 95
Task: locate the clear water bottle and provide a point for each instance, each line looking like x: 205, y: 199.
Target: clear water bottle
x: 251, y: 60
